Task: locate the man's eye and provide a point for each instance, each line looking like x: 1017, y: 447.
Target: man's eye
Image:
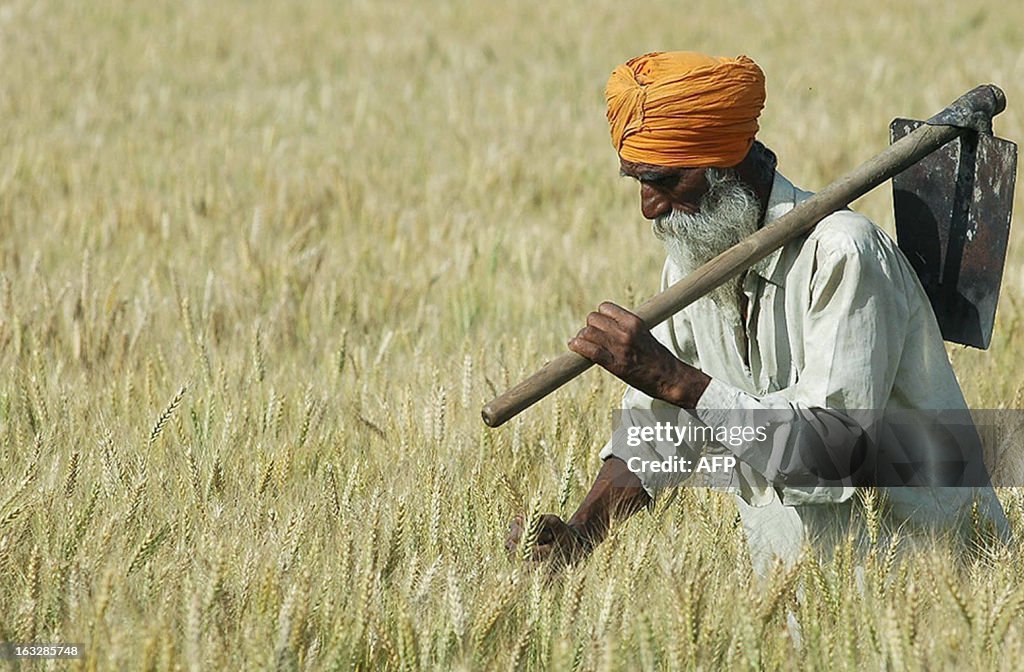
x: 666, y: 182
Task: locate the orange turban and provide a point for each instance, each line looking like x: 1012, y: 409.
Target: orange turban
x: 684, y: 109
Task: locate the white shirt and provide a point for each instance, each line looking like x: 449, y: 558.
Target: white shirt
x: 836, y: 321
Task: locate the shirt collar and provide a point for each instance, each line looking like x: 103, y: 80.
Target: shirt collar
x: 783, y: 198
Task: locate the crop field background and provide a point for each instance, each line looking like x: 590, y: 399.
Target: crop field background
x: 262, y: 262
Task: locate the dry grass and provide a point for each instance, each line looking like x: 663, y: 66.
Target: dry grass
x: 262, y: 262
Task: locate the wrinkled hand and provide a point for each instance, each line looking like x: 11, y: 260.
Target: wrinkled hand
x: 556, y: 540
x: 619, y: 341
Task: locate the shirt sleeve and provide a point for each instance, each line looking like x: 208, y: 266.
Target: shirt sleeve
x: 853, y: 336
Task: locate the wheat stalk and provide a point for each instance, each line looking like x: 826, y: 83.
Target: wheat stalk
x: 307, y: 419
x: 11, y: 515
x: 869, y: 502
x: 434, y: 530
x: 259, y: 363
x: 166, y: 416
x: 27, y: 626
x: 193, y: 470
x: 136, y: 502
x: 149, y: 546
x: 496, y: 605
x: 268, y: 477
x: 531, y: 532
x: 565, y: 482
x: 467, y: 381
x: 72, y: 474
x: 456, y: 608
x: 5, y: 555
x: 30, y: 475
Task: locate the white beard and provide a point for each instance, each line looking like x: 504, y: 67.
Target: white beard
x: 729, y: 212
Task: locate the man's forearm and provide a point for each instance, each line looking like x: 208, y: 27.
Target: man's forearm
x: 684, y: 387
x: 616, y: 494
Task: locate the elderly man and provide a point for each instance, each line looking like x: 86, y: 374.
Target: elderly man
x: 834, y: 322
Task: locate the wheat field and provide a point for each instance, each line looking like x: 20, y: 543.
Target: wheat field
x: 261, y: 263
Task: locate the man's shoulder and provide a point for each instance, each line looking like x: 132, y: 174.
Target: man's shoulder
x: 848, y: 242
x: 847, y: 232
x: 843, y: 232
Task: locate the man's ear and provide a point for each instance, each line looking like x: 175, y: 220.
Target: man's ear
x: 757, y: 169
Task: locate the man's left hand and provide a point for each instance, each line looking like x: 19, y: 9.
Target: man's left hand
x: 619, y: 341
x: 557, y: 541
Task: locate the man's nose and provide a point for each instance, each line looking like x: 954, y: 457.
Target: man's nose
x: 653, y: 203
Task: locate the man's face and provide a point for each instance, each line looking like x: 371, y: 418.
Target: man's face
x: 698, y: 213
x: 663, y: 189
